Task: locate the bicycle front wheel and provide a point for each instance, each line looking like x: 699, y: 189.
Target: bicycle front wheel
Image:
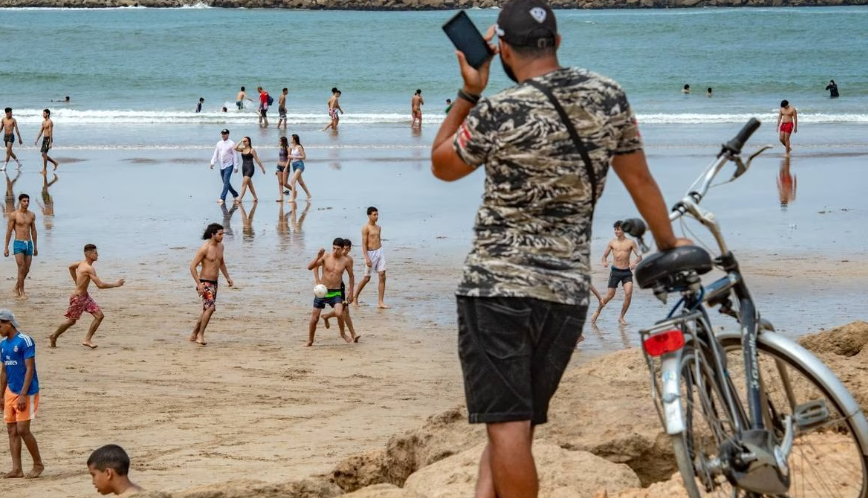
x: 827, y: 459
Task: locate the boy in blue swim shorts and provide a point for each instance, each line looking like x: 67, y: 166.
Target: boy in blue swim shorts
x: 22, y: 222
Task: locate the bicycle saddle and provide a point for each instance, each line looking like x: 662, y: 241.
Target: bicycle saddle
x: 661, y: 266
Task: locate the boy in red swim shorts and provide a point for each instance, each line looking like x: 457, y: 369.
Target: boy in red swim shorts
x: 80, y: 301
x: 788, y: 123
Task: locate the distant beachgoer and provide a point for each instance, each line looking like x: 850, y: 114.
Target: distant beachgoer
x: 199, y: 105
x: 297, y: 157
x: 833, y: 89
x: 20, y: 387
x: 375, y: 261
x: 23, y: 222
x: 686, y: 89
x: 263, y: 107
x: 788, y: 123
x: 10, y: 128
x: 224, y: 109
x: 240, y: 98
x: 80, y: 301
x: 225, y: 153
x: 248, y: 155
x: 281, y: 108
x: 109, y: 467
x: 210, y: 256
x: 282, y: 172
x: 787, y: 184
x: 334, y: 108
x: 416, y: 104
x: 622, y: 271
x: 448, y: 105
x: 708, y: 94
x: 46, y: 131
x: 333, y: 264
x: 65, y: 99
x: 348, y: 247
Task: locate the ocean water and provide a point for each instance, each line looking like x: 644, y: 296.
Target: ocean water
x: 135, y: 75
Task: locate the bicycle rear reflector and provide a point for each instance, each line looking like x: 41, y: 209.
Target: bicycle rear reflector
x: 664, y: 342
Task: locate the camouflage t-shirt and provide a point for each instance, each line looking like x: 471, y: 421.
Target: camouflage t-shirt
x: 533, y: 228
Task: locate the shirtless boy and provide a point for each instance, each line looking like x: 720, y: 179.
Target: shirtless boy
x: 80, y: 301
x: 334, y: 107
x: 240, y: 98
x: 333, y: 266
x: 10, y: 128
x: 622, y: 271
x: 372, y: 249
x: 46, y: 131
x: 109, y: 467
x: 788, y: 123
x: 348, y: 247
x: 210, y: 256
x: 281, y: 108
x: 416, y: 104
x: 23, y: 222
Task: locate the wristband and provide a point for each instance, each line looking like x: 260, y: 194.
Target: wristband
x: 473, y: 99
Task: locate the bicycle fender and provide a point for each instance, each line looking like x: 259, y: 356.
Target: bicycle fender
x: 807, y: 361
x: 670, y: 372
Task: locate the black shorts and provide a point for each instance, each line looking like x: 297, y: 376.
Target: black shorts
x: 620, y: 276
x: 513, y: 352
x: 333, y: 298
x: 263, y: 111
x: 46, y: 144
x: 9, y: 138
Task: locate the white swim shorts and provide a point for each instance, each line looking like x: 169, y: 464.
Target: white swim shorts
x: 378, y: 262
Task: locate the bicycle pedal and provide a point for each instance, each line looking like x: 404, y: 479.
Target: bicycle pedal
x: 811, y: 413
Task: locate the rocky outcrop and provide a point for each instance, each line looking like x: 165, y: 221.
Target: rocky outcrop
x: 422, y: 4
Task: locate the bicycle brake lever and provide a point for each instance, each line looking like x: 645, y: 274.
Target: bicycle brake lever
x: 751, y: 158
x: 642, y: 245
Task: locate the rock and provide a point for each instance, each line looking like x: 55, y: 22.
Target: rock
x: 384, y: 491
x: 847, y: 340
x: 562, y: 473
x: 359, y: 471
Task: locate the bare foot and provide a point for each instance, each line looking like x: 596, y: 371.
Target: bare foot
x: 56, y: 165
x: 622, y: 321
x: 89, y: 344
x: 383, y: 306
x: 219, y: 201
x: 22, y: 295
x: 14, y: 474
x: 201, y: 343
x: 193, y: 337
x: 255, y: 199
x: 356, y: 338
x: 53, y: 340
x: 309, y: 344
x: 36, y: 471
x: 326, y: 321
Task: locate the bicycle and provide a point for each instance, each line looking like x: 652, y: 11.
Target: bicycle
x: 758, y: 437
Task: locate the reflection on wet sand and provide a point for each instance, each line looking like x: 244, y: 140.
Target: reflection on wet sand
x: 47, y: 203
x: 247, y: 220
x: 787, y: 184
x: 10, y: 194
x: 227, y: 219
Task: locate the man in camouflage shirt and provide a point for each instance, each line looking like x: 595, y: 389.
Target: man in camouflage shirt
x: 524, y: 295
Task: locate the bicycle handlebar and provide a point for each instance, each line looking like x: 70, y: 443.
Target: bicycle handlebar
x: 735, y: 145
x: 634, y: 227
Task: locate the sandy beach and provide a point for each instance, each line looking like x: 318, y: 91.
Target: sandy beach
x: 256, y: 404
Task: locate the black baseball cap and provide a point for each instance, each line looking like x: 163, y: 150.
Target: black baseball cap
x: 224, y: 130
x: 527, y: 23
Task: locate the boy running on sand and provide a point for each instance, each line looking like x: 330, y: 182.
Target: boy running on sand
x: 20, y: 387
x: 348, y: 246
x: 333, y: 266
x: 109, y: 467
x: 622, y: 271
x: 210, y: 256
x: 372, y: 249
x: 80, y: 301
x: 23, y: 222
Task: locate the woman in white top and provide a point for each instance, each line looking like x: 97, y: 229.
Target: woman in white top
x: 296, y: 161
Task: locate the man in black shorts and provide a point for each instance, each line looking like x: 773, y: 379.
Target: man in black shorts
x: 622, y: 271
x: 524, y: 293
x: 348, y: 247
x: 333, y: 266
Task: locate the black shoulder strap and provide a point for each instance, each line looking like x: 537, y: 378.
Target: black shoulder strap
x: 589, y: 166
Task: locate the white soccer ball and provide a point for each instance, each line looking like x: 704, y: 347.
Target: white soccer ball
x: 320, y: 290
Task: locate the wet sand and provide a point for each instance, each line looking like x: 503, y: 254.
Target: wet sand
x: 255, y: 403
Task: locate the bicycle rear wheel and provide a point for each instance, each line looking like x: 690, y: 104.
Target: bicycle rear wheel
x: 827, y: 459
x: 707, y: 425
